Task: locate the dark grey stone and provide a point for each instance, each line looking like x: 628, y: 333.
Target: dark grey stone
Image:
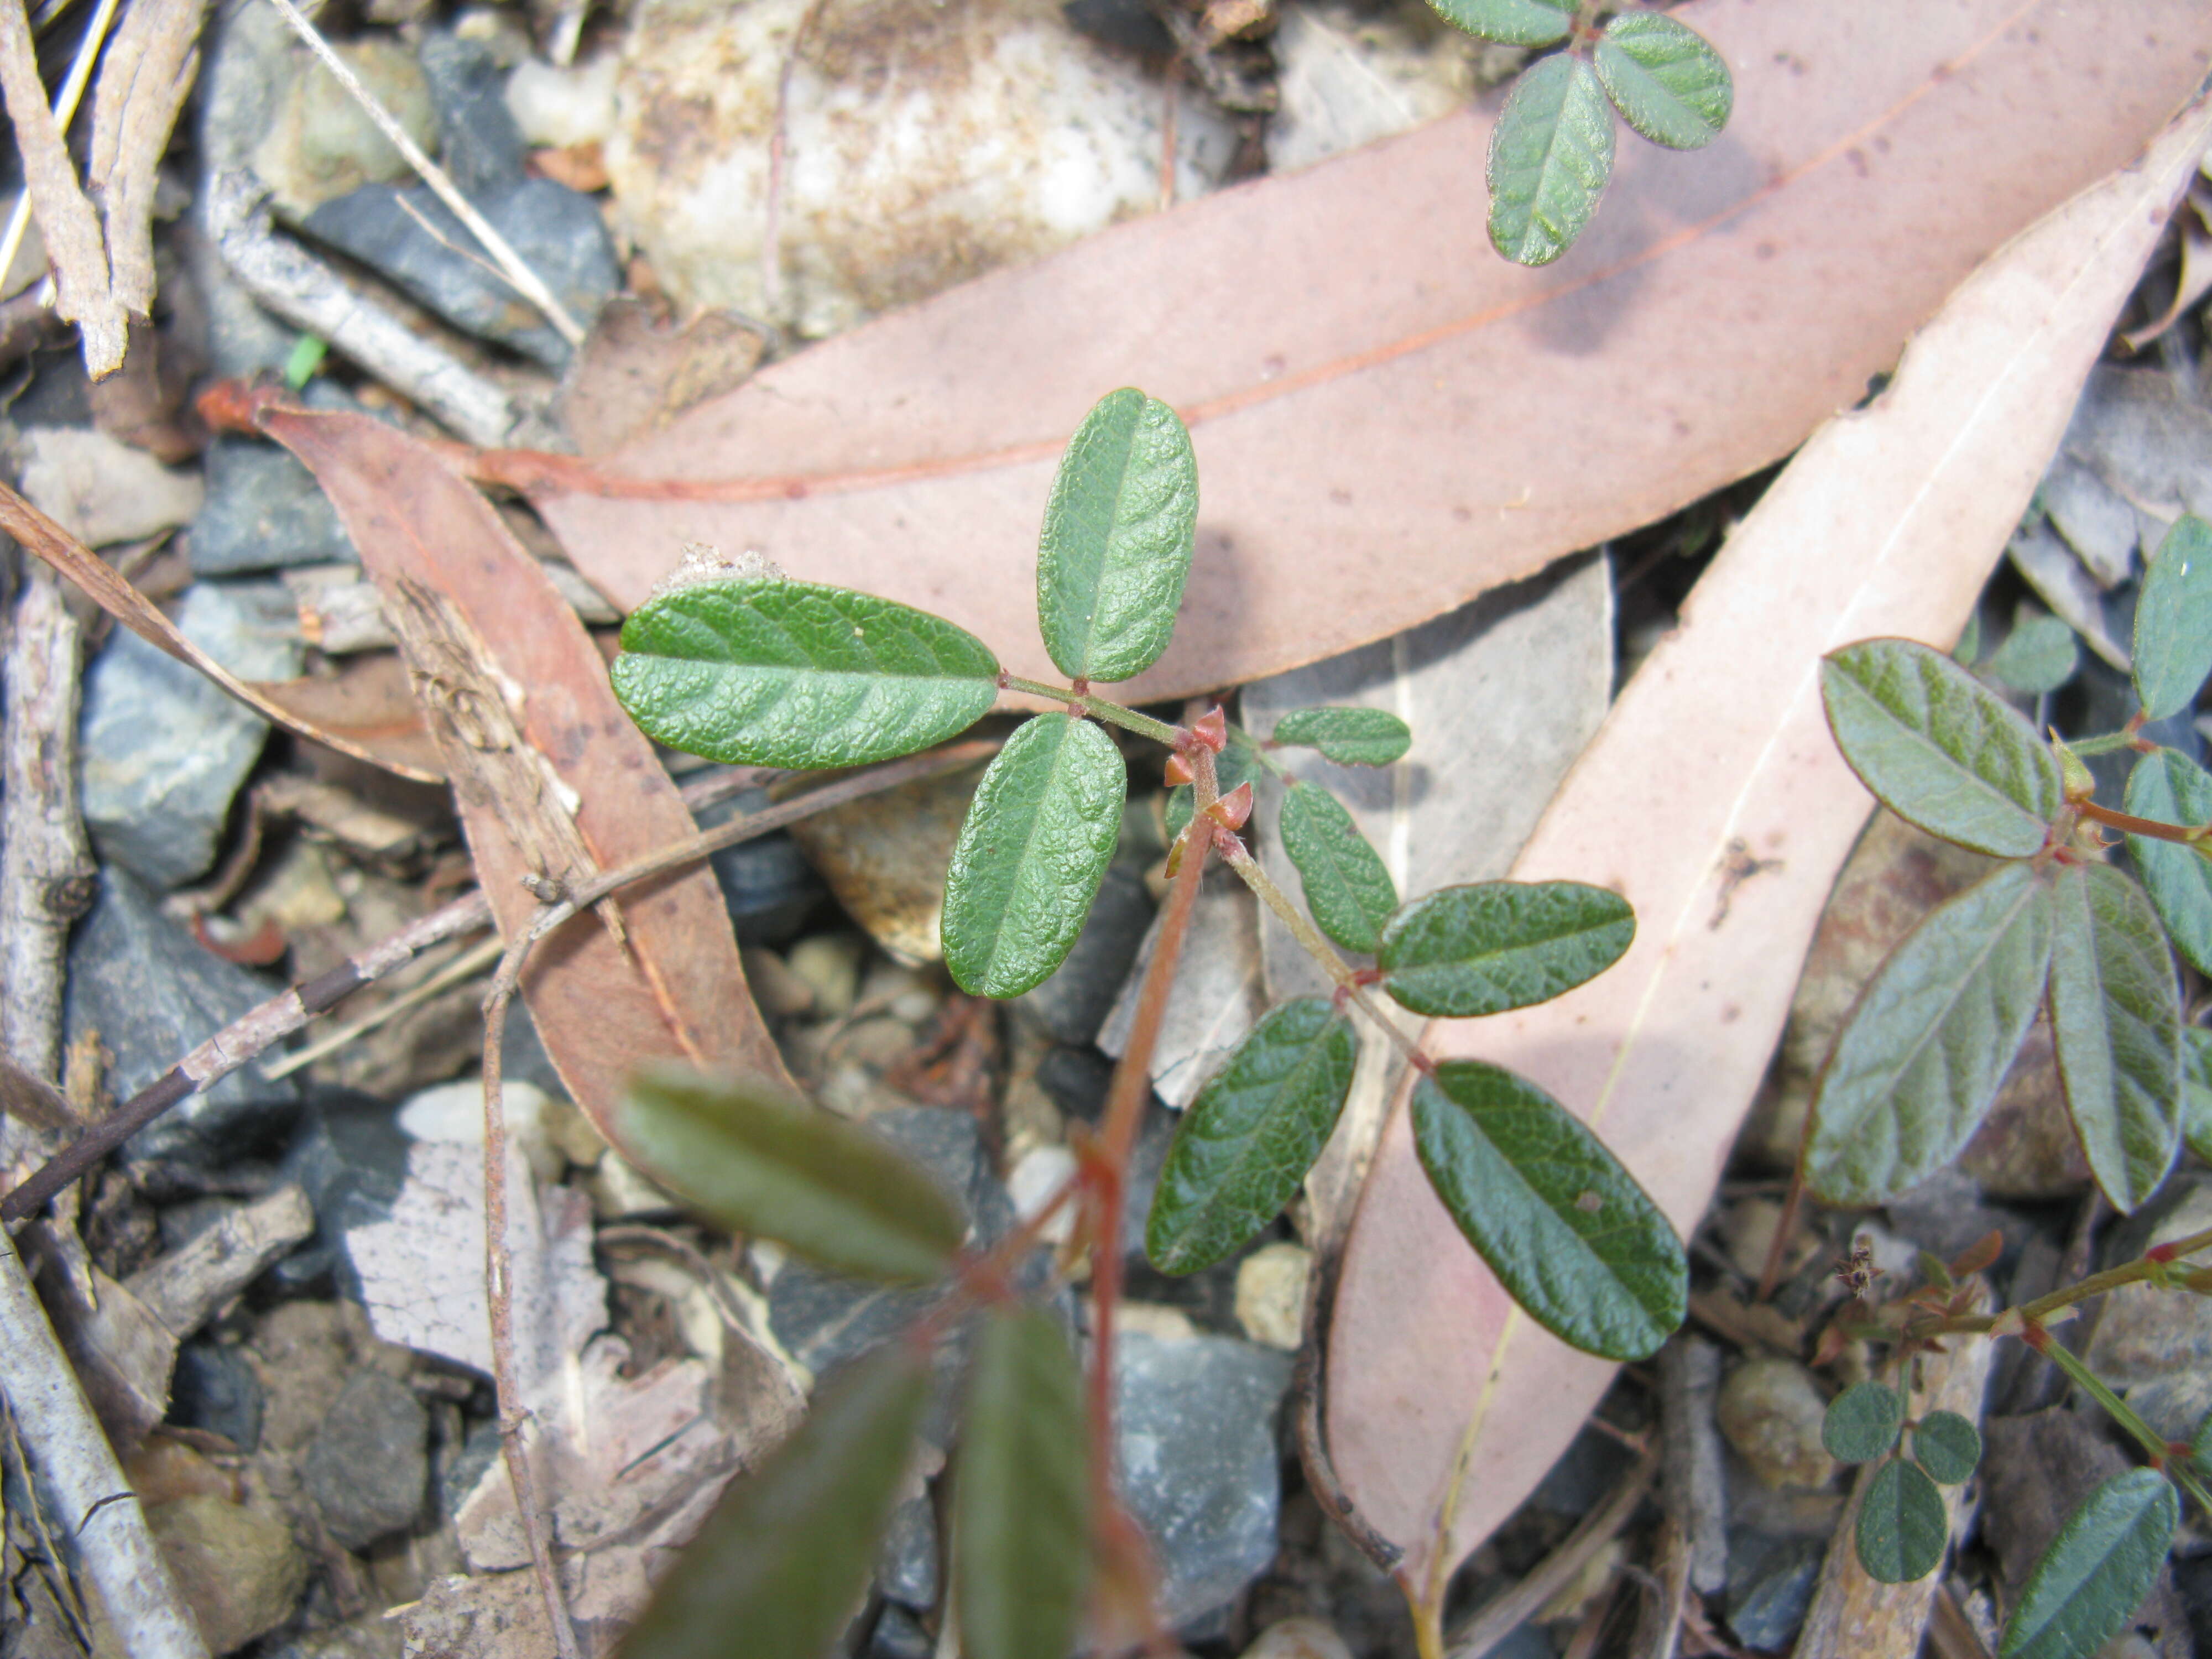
x: 1077, y: 1078
x: 906, y: 1567
x: 556, y: 232
x: 1195, y: 1433
x: 153, y: 994
x: 1590, y: 1468
x: 350, y: 1157
x: 248, y: 64
x: 368, y: 1466
x: 478, y: 141
x: 215, y: 1388
x: 1771, y: 1583
x: 899, y: 1635
x: 767, y: 883
x: 1074, y: 1002
x: 263, y: 511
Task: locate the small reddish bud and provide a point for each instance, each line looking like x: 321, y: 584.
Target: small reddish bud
x: 1178, y: 770
x: 1175, y: 853
x: 2160, y: 1254
x: 2035, y: 1336
x: 1367, y: 977
x: 1232, y: 810
x: 1212, y: 729
x: 2178, y: 1450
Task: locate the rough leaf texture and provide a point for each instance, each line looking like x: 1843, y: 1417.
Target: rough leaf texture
x: 1665, y: 80
x: 1550, y: 156
x: 2173, y: 620
x: 1461, y: 952
x: 1902, y: 1526
x: 1346, y: 887
x: 2096, y: 1571
x: 1514, y: 22
x: 1350, y: 736
x: 2172, y: 788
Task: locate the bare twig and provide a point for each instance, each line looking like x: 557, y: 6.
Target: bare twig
x: 144, y: 82
x: 65, y: 103
x: 524, y: 281
x: 471, y: 963
x: 1499, y: 1617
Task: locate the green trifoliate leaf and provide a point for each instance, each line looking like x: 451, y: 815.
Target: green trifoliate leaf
x: 2038, y: 655
x: 2197, y: 1090
x: 1667, y: 82
x: 1513, y: 22
x: 1038, y: 837
x: 1238, y: 764
x: 2097, y: 1571
x: 2116, y: 1014
x: 1939, y: 749
x: 2172, y: 788
x: 1913, y: 1071
x: 2173, y: 620
x: 757, y: 1162
x: 1461, y: 952
x: 1564, y: 1226
x: 783, y: 1560
x: 1551, y: 154
x: 1247, y: 1141
x: 1350, y: 736
x: 1021, y: 1492
x: 1948, y: 1446
x: 762, y: 672
x: 1863, y: 1422
x: 1118, y: 533
x: 1902, y: 1526
x: 1347, y: 889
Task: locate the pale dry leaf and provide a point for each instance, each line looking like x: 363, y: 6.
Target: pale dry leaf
x: 1886, y: 523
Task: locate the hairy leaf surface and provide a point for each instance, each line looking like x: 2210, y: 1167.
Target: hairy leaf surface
x: 2097, y: 1571
x: 1551, y: 154
x: 1939, y: 748
x: 1863, y: 1422
x: 1480, y: 949
x: 1021, y: 1494
x: 759, y: 672
x: 2173, y: 620
x: 1037, y: 839
x: 1948, y: 1447
x: 1350, y: 736
x: 1902, y: 1526
x: 1248, y: 1139
x: 2172, y: 788
x: 780, y: 1565
x: 1665, y: 79
x: 1118, y: 535
x: 2116, y: 1013
x: 1347, y: 889
x: 1563, y: 1226
x: 1514, y: 22
x: 758, y: 1162
x: 1935, y: 1030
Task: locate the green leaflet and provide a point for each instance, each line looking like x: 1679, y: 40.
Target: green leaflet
x: 763, y: 672
x: 1350, y: 736
x: 1463, y: 952
x: 1038, y: 837
x: 1514, y: 22
x: 2116, y: 1013
x: 1118, y: 533
x: 2173, y: 620
x: 2097, y: 1571
x: 1948, y: 1446
x: 1021, y: 1492
x: 1551, y: 154
x: 1347, y: 889
x: 1863, y: 1422
x: 1667, y: 82
x: 2172, y: 788
x: 1238, y: 764
x: 1902, y: 1526
x: 2200, y: 1448
x: 781, y: 1563
x: 1564, y: 1226
x: 757, y: 1162
x: 2197, y: 1090
x: 1921, y: 1059
x: 1247, y: 1141
x: 2038, y: 655
x: 1939, y: 748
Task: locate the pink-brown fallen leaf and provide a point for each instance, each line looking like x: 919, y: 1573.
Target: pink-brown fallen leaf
x: 1390, y: 419
x: 676, y: 989
x: 1886, y: 523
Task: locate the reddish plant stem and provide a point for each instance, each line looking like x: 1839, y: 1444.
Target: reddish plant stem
x: 2187, y: 834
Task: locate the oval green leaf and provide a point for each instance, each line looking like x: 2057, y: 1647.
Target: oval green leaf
x: 1916, y: 1065
x: 784, y: 1558
x: 1564, y: 1226
x: 1238, y: 764
x: 2197, y: 1090
x: 1350, y: 736
x: 1461, y: 952
x: 778, y: 674
x: 1667, y: 82
x: 2166, y: 784
x: 1939, y: 748
x: 1551, y: 154
x: 1037, y: 839
x: 757, y: 1162
x: 1247, y: 1141
x: 1021, y: 1534
x: 2097, y: 1571
x: 1902, y: 1526
x: 1118, y: 533
x: 1347, y: 888
x: 1948, y: 1446
x: 2173, y: 620
x: 2116, y: 1014
x: 1513, y: 22
x: 2038, y: 655
x: 2200, y: 1448
x: 1863, y: 1422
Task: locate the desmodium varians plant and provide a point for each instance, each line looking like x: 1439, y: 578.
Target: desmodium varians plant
x: 773, y: 672
x: 2054, y: 928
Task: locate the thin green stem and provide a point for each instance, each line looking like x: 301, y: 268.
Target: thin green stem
x: 2104, y: 744
x: 1099, y: 708
x: 2187, y: 834
x: 2175, y: 1469
x: 2040, y: 1311
x: 1260, y: 752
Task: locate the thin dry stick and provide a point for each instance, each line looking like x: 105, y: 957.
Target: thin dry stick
x: 524, y: 281
x: 1499, y: 1616
x: 65, y: 103
x: 471, y: 963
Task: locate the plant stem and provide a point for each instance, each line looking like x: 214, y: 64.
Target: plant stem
x: 2104, y: 744
x: 1099, y: 708
x: 2175, y: 1469
x: 2187, y: 834
x: 2040, y: 1311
